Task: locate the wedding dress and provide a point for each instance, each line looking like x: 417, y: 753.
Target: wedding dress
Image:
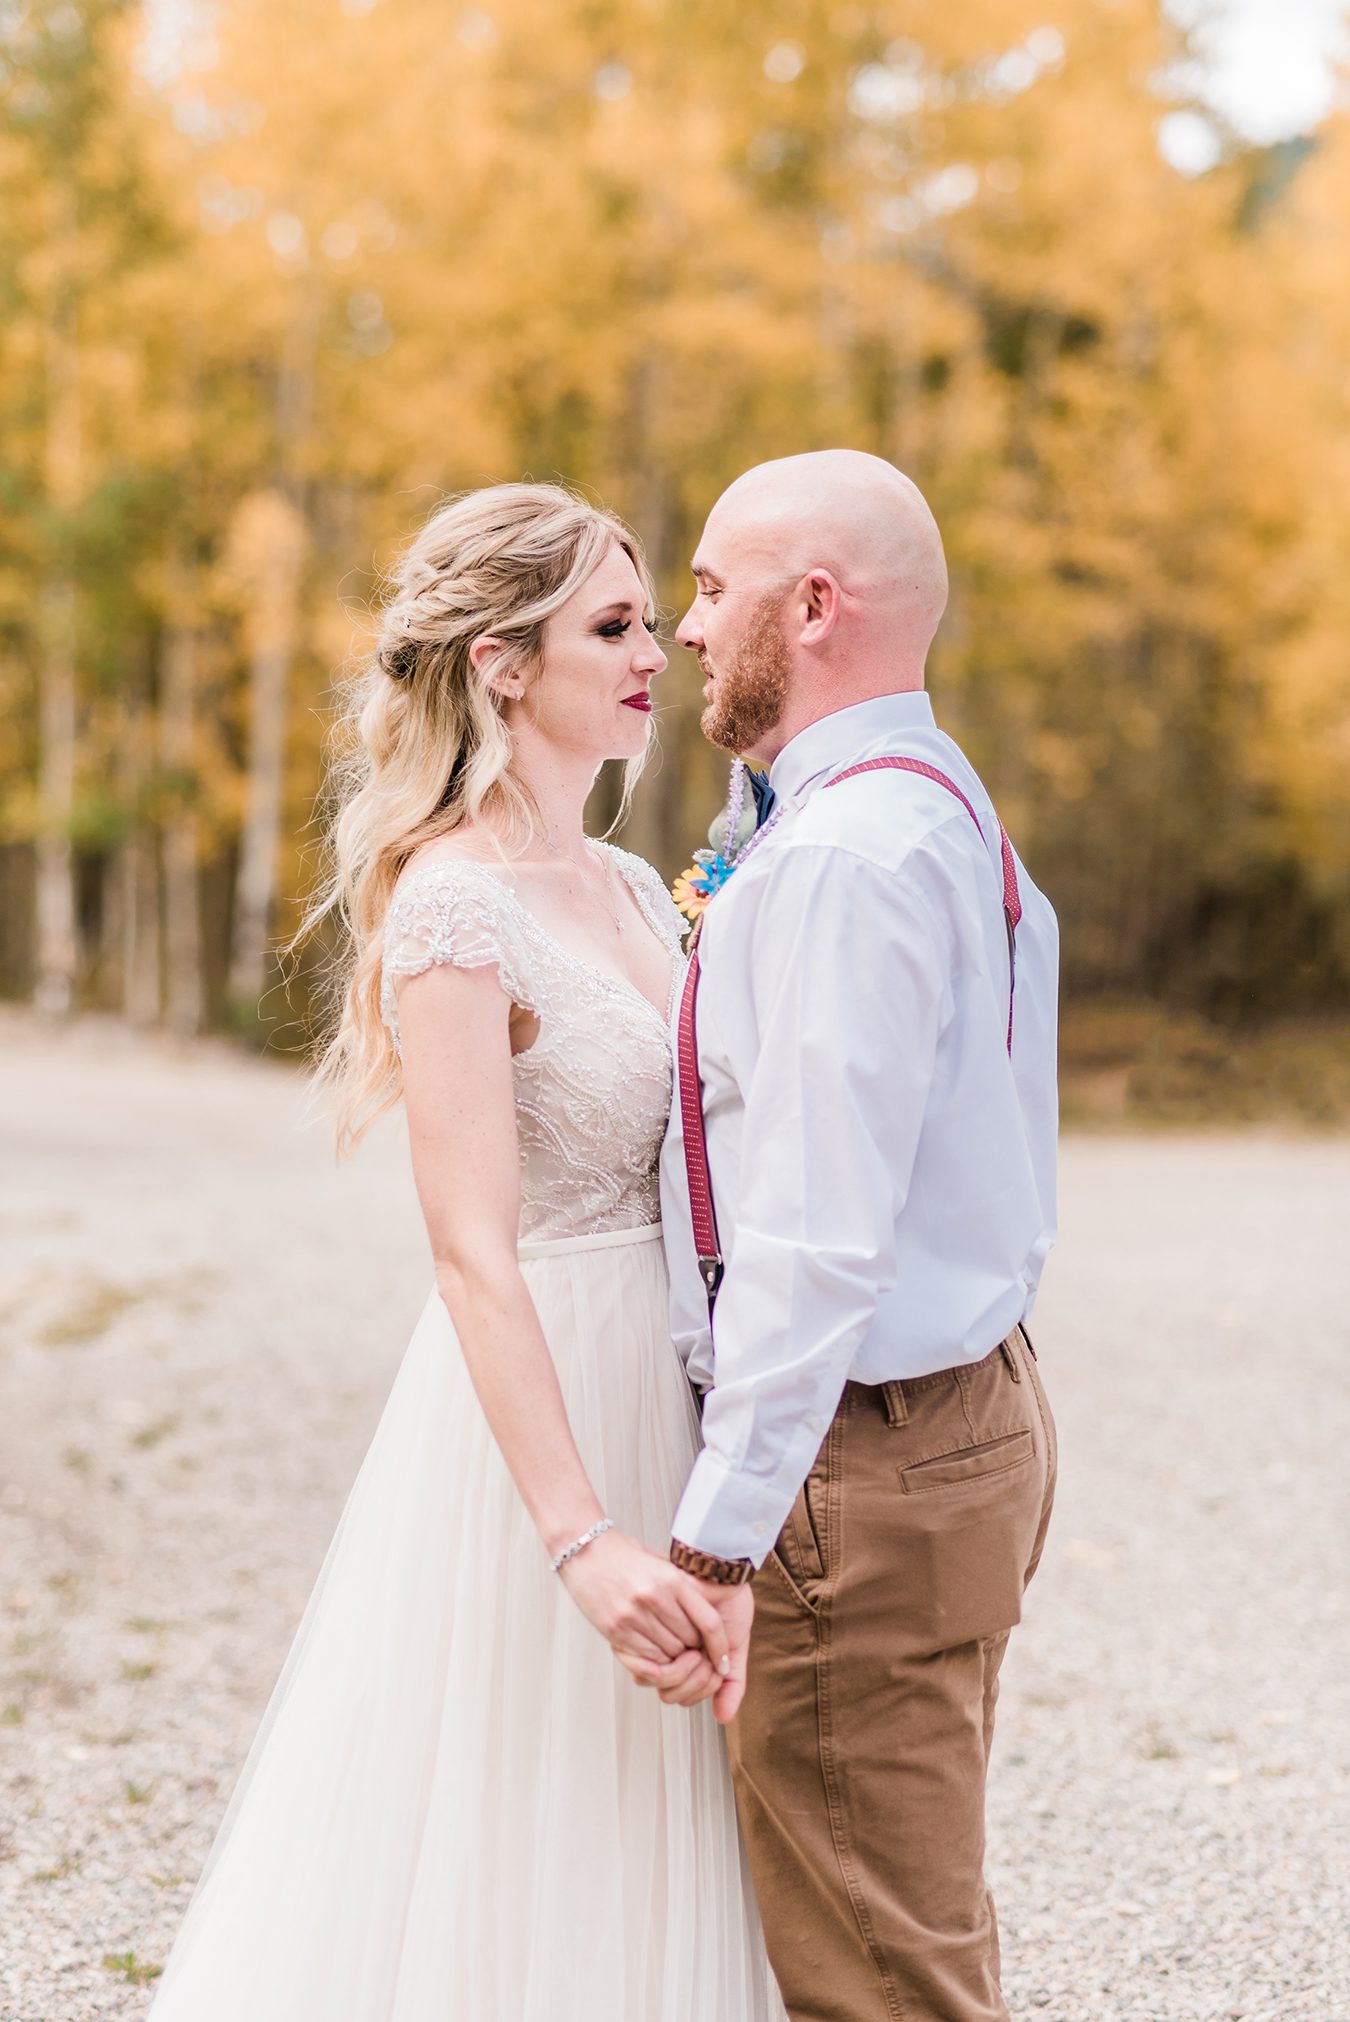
x: 459, y: 1807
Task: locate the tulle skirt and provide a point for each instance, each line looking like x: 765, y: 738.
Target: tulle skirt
x: 459, y: 1807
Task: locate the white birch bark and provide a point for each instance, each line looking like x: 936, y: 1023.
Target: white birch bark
x: 57, y: 946
x: 181, y: 840
x: 271, y: 542
x: 269, y: 552
x: 139, y: 873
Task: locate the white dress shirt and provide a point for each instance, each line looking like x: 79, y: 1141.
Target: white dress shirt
x: 883, y: 1173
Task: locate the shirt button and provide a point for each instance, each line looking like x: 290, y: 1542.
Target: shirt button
x: 758, y: 1530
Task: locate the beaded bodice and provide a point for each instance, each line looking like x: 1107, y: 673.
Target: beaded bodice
x: 593, y: 1091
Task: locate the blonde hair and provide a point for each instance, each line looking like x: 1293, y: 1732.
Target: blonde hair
x: 420, y: 748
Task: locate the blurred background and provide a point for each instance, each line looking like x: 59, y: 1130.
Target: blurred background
x: 275, y: 277
x: 277, y: 274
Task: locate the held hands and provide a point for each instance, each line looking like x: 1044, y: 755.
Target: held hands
x: 736, y: 1606
x: 680, y: 1635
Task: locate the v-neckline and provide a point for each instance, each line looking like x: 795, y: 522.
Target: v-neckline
x: 609, y: 976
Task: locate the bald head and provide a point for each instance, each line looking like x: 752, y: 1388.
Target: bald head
x: 821, y: 582
x: 855, y: 516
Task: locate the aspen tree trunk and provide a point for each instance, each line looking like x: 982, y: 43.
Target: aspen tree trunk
x: 140, y: 871
x: 181, y: 840
x: 651, y: 830
x: 255, y: 890
x: 272, y: 542
x: 140, y: 928
x: 57, y: 948
x: 275, y: 623
x: 57, y: 954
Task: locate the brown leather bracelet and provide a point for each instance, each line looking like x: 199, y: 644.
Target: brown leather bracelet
x: 707, y: 1566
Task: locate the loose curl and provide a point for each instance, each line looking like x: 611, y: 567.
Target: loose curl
x: 420, y: 747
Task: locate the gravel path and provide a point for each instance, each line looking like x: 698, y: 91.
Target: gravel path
x: 200, y: 1318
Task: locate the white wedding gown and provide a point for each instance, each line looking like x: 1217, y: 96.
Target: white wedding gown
x: 459, y: 1807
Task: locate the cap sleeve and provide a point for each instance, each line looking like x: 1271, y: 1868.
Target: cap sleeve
x: 459, y: 913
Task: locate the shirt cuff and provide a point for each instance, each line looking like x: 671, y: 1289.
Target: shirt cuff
x: 734, y: 1516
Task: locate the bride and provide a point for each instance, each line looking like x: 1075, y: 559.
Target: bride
x: 459, y: 1807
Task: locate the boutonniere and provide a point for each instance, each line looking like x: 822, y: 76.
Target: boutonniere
x: 693, y: 889
x: 733, y: 829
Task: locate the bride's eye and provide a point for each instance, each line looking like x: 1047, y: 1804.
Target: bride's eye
x: 615, y: 629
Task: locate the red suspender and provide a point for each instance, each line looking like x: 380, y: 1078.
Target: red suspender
x: 701, y: 1210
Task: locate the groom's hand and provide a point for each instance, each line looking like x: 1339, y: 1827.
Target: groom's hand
x: 736, y: 1606
x: 690, y: 1677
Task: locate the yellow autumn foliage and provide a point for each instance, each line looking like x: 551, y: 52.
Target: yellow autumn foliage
x: 276, y: 277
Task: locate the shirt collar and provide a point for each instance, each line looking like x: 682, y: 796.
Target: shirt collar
x: 834, y: 741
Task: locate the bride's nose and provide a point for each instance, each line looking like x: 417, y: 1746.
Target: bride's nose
x: 650, y: 659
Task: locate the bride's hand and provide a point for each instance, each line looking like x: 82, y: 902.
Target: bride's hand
x: 684, y: 1681
x: 648, y: 1611
x: 688, y: 1678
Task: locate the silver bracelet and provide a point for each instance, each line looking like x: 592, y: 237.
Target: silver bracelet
x: 586, y: 1538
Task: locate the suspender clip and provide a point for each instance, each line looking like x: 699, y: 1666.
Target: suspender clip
x: 710, y: 1270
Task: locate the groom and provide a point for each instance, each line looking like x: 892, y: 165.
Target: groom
x: 870, y: 1105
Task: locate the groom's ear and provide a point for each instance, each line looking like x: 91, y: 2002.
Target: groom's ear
x: 819, y: 598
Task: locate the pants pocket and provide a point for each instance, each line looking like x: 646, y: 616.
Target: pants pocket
x: 798, y: 1546
x: 969, y: 1463
x: 941, y: 1510
x: 803, y: 1543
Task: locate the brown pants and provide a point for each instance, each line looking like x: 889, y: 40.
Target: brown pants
x: 861, y: 1749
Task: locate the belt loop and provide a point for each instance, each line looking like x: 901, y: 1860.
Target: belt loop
x: 897, y: 1411
x: 1022, y: 1330
x: 1005, y: 1350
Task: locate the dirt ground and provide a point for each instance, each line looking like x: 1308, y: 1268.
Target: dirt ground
x: 200, y: 1317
